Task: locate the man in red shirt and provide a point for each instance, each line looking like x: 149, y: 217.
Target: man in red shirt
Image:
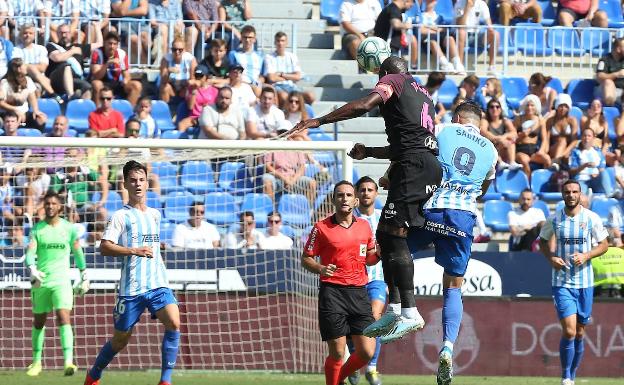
x: 345, y: 246
x: 109, y: 123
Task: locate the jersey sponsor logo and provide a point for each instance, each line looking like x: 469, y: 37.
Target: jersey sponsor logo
x: 431, y: 143
x: 312, y: 239
x: 389, y: 212
x: 573, y: 241
x: 430, y: 188
x: 362, y: 250
x: 149, y: 238
x: 601, y: 66
x: 54, y: 246
x: 457, y: 187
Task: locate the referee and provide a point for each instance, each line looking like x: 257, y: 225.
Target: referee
x: 580, y: 236
x: 345, y: 246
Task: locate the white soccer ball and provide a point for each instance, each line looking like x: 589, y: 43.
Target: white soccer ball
x: 371, y: 52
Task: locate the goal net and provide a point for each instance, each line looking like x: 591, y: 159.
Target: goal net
x: 245, y: 301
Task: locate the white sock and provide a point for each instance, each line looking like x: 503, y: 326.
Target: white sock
x: 448, y: 344
x: 394, y: 308
x: 443, y: 60
x: 410, y: 312
x: 456, y: 60
x: 371, y: 368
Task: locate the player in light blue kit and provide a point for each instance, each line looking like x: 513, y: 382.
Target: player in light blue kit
x: 133, y: 234
x: 367, y: 191
x: 468, y: 165
x: 580, y: 236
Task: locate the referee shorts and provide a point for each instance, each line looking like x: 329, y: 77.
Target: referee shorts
x: 413, y: 180
x: 343, y: 310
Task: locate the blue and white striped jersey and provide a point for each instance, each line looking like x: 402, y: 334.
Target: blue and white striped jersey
x: 574, y: 234
x: 95, y: 9
x: 25, y: 11
x: 467, y: 159
x: 131, y: 227
x: 375, y: 272
x: 34, y: 54
x: 252, y: 62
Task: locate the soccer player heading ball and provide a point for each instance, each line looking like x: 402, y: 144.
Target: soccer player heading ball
x: 47, y: 257
x: 133, y: 233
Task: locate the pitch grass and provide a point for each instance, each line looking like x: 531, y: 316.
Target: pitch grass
x: 238, y: 378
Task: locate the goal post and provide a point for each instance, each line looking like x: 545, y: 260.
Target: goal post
x: 243, y: 306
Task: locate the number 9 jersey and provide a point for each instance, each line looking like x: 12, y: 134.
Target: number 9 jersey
x: 467, y: 160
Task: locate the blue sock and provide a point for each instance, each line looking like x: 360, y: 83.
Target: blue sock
x: 104, y: 358
x: 350, y: 345
x: 566, y: 355
x: 170, y: 344
x: 452, y: 312
x: 373, y: 361
x: 579, y: 349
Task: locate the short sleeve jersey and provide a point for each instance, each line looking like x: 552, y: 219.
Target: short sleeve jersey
x: 344, y: 247
x: 408, y: 113
x: 573, y: 234
x: 375, y: 272
x: 608, y: 64
x: 131, y: 227
x: 53, y: 250
x: 114, y: 72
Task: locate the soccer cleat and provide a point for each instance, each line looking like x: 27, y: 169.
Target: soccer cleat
x: 354, y: 378
x: 372, y: 376
x: 382, y: 326
x: 566, y: 381
x: 445, y: 367
x: 34, y: 369
x: 164, y: 383
x: 91, y: 381
x: 403, y: 327
x: 70, y: 369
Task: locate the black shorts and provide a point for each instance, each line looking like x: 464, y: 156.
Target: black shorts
x: 343, y: 310
x: 527, y: 148
x: 413, y: 180
x: 576, y: 16
x: 117, y: 87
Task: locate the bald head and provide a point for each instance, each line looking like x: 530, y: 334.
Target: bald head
x: 60, y: 126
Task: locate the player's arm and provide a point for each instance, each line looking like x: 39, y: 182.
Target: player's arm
x: 36, y: 276
x: 310, y: 264
x: 82, y: 286
x: 350, y: 110
x: 598, y: 233
x: 361, y: 151
x: 111, y: 249
x: 546, y: 234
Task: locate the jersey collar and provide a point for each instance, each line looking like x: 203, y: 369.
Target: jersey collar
x: 335, y: 222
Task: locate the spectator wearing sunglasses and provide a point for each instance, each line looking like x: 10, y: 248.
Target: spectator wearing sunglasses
x: 108, y: 122
x: 275, y: 239
x: 196, y: 232
x: 245, y: 235
x: 176, y: 70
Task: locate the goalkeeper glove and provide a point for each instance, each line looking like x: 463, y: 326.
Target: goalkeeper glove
x: 36, y: 276
x: 82, y: 286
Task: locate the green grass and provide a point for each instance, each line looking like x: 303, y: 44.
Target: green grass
x: 238, y: 378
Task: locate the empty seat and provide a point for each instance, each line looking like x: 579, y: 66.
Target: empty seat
x: 596, y: 41
x: 555, y: 84
x: 221, y: 208
x: 260, y: 204
x: 565, y: 41
x: 495, y: 214
x: 577, y: 113
x: 170, y: 134
x: 198, y: 177
x: 511, y: 183
x: 77, y: 114
x: 542, y: 206
x: 295, y: 209
x: 33, y: 132
x: 582, y: 92
x: 515, y: 89
x: 162, y: 115
x: 232, y: 176
x: 540, y: 185
x: 51, y: 108
x: 330, y: 11
x: 447, y: 92
x: 613, y: 8
x: 113, y: 201
x: 530, y: 39
x: 167, y: 175
x: 444, y: 8
x: 602, y: 206
x: 549, y: 13
x: 611, y: 114
x: 177, y: 205
x: 153, y: 200
x: 123, y: 106
x: 491, y: 193
x: 166, y: 232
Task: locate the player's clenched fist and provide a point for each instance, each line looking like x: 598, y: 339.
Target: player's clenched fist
x: 328, y: 271
x: 358, y: 151
x: 143, y: 251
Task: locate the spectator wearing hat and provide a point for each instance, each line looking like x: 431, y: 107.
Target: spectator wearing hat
x: 249, y: 59
x: 562, y: 130
x: 176, y: 71
x: 275, y: 239
x: 610, y: 74
x: 531, y: 142
x: 200, y: 93
x: 242, y: 93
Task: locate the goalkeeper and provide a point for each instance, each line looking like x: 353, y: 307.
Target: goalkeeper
x: 47, y: 257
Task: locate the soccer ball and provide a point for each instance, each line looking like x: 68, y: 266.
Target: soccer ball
x: 371, y: 52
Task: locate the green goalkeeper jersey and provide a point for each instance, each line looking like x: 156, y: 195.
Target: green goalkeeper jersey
x: 54, y: 245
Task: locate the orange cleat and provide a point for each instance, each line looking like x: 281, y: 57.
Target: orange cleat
x: 164, y: 383
x: 91, y: 381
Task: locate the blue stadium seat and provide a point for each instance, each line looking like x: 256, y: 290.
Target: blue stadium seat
x: 153, y: 200
x: 549, y: 13
x: 166, y: 232
x: 491, y: 193
x: 162, y: 115
x: 32, y: 132
x: 601, y: 206
x: 326, y: 158
x: 177, y: 205
x: 379, y: 204
x: 167, y: 176
x: 309, y: 110
x: 123, y: 106
x: 596, y: 41
x: 578, y: 114
x: 286, y: 230
x: 311, y: 170
x: 295, y: 210
x: 495, y: 215
x: 414, y: 12
x: 511, y: 48
x: 559, y: 205
x: 336, y: 173
x: 540, y: 180
x: 330, y: 11
x: 555, y: 84
x: 51, y: 108
x: 530, y: 39
x: 198, y: 177
x: 447, y: 92
x: 71, y: 133
x: 611, y: 114
x: 613, y: 8
x: 113, y: 201
x: 515, y: 89
x: 444, y: 8
x: 582, y: 92
x: 77, y: 113
x: 232, y: 176
x: 320, y: 136
x: 511, y: 183
x: 260, y: 204
x: 565, y: 41
x: 538, y: 204
x: 221, y: 208
x: 170, y: 134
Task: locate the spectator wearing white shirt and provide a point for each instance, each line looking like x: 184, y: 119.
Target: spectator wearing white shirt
x: 242, y: 93
x: 35, y: 57
x: 525, y: 222
x: 245, y: 236
x: 470, y: 13
x: 275, y: 239
x: 587, y: 166
x: 223, y: 122
x: 282, y: 70
x: 196, y: 232
x: 268, y: 117
x: 357, y: 19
